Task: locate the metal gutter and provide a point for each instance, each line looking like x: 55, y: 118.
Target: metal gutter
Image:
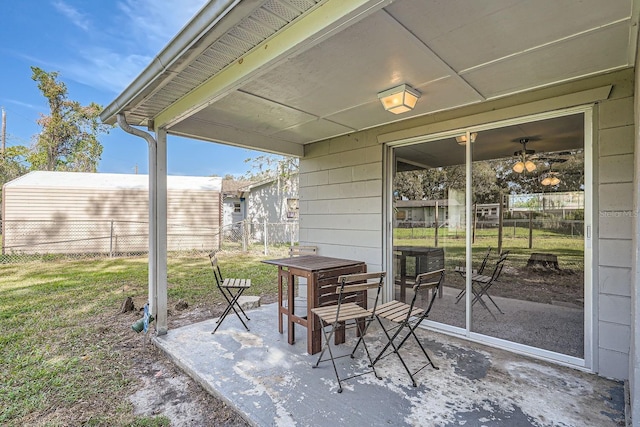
x: 190, y: 41
x: 153, y: 212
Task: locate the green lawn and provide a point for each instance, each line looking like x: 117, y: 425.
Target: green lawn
x: 61, y: 333
x: 569, y: 249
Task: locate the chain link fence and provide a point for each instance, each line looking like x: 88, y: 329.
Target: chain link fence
x: 521, y: 236
x: 42, y: 240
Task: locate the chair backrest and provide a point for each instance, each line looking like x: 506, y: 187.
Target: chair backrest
x: 484, y: 260
x: 360, y: 282
x: 426, y: 281
x: 216, y: 269
x: 499, y: 265
x: 297, y: 250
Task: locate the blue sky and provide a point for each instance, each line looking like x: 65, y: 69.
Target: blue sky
x: 98, y: 48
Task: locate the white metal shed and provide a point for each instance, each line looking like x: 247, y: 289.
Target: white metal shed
x: 73, y: 212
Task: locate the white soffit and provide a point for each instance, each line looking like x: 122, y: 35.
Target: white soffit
x: 456, y: 52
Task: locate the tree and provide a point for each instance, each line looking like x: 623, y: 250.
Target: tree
x: 12, y: 163
x: 69, y: 137
x: 273, y: 167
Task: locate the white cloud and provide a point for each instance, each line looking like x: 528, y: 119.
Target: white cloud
x: 131, y: 35
x: 78, y: 19
x: 106, y: 69
x: 156, y: 22
x: 24, y: 104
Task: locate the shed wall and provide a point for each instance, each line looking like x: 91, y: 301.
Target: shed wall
x: 85, y: 220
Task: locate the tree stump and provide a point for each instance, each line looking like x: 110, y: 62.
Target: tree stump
x: 545, y: 260
x: 127, y: 305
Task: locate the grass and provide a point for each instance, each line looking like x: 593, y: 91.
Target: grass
x: 569, y: 249
x: 61, y: 333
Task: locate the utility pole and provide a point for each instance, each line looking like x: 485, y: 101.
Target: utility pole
x: 4, y: 131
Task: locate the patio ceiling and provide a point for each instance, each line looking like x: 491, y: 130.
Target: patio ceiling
x: 275, y: 75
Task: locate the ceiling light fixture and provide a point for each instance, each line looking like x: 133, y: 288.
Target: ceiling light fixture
x: 551, y: 179
x: 524, y: 164
x: 462, y: 139
x: 399, y: 99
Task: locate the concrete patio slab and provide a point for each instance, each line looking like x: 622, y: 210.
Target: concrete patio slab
x: 272, y: 383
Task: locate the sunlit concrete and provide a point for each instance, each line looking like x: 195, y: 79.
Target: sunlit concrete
x: 272, y: 383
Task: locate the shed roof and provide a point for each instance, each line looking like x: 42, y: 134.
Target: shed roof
x: 48, y: 179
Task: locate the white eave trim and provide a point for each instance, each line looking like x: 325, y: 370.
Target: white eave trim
x: 171, y: 58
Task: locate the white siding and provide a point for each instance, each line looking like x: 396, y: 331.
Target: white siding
x: 615, y: 133
x: 341, y: 197
x: 46, y: 217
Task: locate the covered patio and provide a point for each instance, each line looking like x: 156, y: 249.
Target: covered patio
x: 272, y: 383
x: 305, y: 78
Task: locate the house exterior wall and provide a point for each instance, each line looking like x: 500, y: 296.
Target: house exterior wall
x: 341, y: 194
x: 615, y: 173
x: 229, y: 214
x: 39, y: 218
x: 268, y: 201
x: 341, y: 191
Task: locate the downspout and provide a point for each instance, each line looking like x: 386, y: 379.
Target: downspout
x: 153, y: 212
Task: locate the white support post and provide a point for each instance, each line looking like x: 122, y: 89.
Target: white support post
x: 161, y: 231
x: 469, y: 231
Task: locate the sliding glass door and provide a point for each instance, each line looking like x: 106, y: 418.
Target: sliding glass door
x: 522, y: 228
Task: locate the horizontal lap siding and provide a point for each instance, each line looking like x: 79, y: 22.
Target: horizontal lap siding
x: 53, y: 220
x: 615, y: 157
x: 341, y: 198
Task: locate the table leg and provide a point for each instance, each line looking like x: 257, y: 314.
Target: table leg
x: 291, y: 301
x: 280, y: 299
x: 314, y: 331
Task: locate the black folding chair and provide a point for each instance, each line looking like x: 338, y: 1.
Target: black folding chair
x: 407, y: 317
x: 349, y: 315
x: 232, y: 290
x: 462, y: 271
x: 481, y: 283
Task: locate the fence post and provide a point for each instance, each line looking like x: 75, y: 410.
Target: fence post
x: 291, y: 231
x: 530, y: 229
x: 244, y: 236
x: 111, y: 241
x: 265, y: 237
x: 435, y: 232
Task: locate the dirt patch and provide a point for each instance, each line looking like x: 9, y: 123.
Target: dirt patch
x: 535, y: 283
x: 160, y: 388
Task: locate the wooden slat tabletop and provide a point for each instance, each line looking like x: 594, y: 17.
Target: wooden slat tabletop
x: 312, y: 262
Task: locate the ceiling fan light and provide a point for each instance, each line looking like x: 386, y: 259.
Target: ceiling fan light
x: 399, y: 99
x: 546, y: 181
x: 518, y: 167
x: 530, y: 166
x: 555, y: 180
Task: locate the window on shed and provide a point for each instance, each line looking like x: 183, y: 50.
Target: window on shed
x: 292, y: 208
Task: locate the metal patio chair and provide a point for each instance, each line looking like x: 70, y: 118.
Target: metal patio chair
x: 405, y: 319
x: 232, y: 290
x: 481, y: 283
x: 343, y: 315
x: 462, y: 271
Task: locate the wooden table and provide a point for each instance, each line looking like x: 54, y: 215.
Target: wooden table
x: 322, y: 278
